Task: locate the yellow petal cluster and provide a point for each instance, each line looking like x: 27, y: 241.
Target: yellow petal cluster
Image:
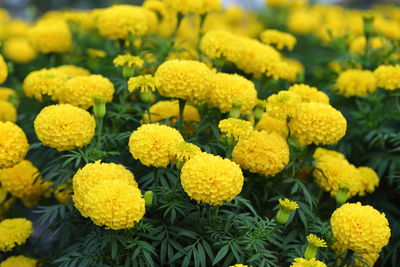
x: 272, y: 125
x: 369, y: 179
x: 184, y: 151
x: 73, y: 71
x: 14, y: 232
x: 153, y: 144
x: 19, y: 50
x: 321, y: 152
x: 44, y: 82
x: 211, y: 179
x: 318, y: 123
x: 189, y: 6
x: 278, y: 38
x: 7, y: 112
x: 316, y: 241
x: 185, y: 79
x: 167, y: 18
x: 127, y: 60
x: 288, y: 204
x: 18, y: 261
x: 358, y: 44
x: 80, y: 91
x: 360, y: 228
x: 301, y: 262
x: 263, y: 152
x: 3, y: 70
x: 283, y: 105
x: 227, y: 89
x: 355, y: 82
x: 388, y: 77
x: 64, y: 127
x: 369, y: 258
x: 7, y: 93
x: 309, y: 94
x: 169, y: 110
x: 144, y: 83
x: 239, y: 265
x: 13, y: 145
x: 294, y: 67
x: 236, y: 128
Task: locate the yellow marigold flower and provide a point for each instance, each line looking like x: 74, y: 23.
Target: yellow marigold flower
x: 288, y: 204
x: 118, y: 21
x: 167, y: 17
x: 355, y: 83
x: 278, y: 38
x: 358, y: 44
x: 73, y: 71
x: 309, y: 93
x: 301, y: 262
x: 184, y: 151
x: 64, y: 127
x: 17, y: 28
x: 91, y: 175
x: 285, y: 104
x: 63, y: 193
x: 369, y: 258
x: 360, y: 228
x: 19, y: 50
x: 226, y: 89
x: 219, y: 44
x: 14, y: 232
x: 153, y: 144
x: 13, y: 145
x: 272, y: 125
x: 211, y: 179
x: 302, y: 21
x: 369, y: 179
x: 163, y: 110
x: 44, y: 82
x: 128, y: 60
x: 263, y: 152
x: 3, y: 70
x: 22, y: 181
x: 144, y: 83
x: 18, y: 261
x: 116, y: 204
x: 51, y: 36
x: 321, y: 152
x: 388, y: 77
x: 80, y: 91
x: 236, y: 128
x: 96, y: 53
x: 210, y: 6
x: 316, y: 241
x: 278, y: 3
x: 185, y: 79
x: 7, y: 112
x: 318, y: 123
x: 184, y: 6
x: 239, y: 265
x: 7, y: 93
x: 294, y: 67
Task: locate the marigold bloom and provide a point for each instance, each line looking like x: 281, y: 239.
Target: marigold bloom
x: 14, y: 232
x: 226, y: 89
x: 80, y: 91
x: 321, y: 152
x: 239, y: 265
x: 360, y: 228
x: 288, y: 204
x: 19, y: 50
x: 167, y: 18
x: 369, y: 179
x: 144, y: 83
x: 116, y: 204
x: 355, y: 83
x: 163, y: 110
x: 219, y: 44
x: 263, y: 152
x: 302, y: 21
x: 270, y: 124
x: 318, y: 123
x: 73, y: 71
x: 13, y: 145
x: 64, y: 127
x: 236, y: 128
x: 7, y: 112
x: 184, y: 151
x: 294, y: 67
x: 316, y: 241
x: 358, y: 44
x: 153, y: 144
x: 128, y: 60
x: 301, y: 262
x: 7, y: 93
x: 369, y: 258
x: 388, y: 77
x: 96, y: 53
x: 309, y: 94
x: 188, y: 6
x: 3, y: 70
x: 18, y: 261
x: 211, y: 179
x: 44, y: 82
x: 185, y: 79
x: 51, y: 36
x: 284, y: 105
x: 278, y: 38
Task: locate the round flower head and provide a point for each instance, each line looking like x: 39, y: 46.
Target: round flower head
x: 14, y: 232
x: 51, y: 36
x: 91, y: 175
x: 73, y: 71
x: 218, y: 44
x: 7, y: 112
x: 19, y: 261
x: 167, y: 18
x: 309, y: 94
x: 13, y: 145
x: 388, y: 77
x: 239, y: 265
x: 228, y: 89
x: 19, y: 50
x: 115, y: 204
x: 80, y: 91
x: 184, y: 151
x: 263, y: 152
x: 3, y: 70
x: 164, y: 110
x: 301, y: 262
x: 184, y: 6
x: 294, y: 67
x: 302, y: 21
x: 369, y: 179
x: 355, y: 83
x: 211, y: 179
x: 236, y: 128
x: 118, y: 21
x: 278, y: 38
x: 360, y: 228
x: 153, y: 144
x: 144, y: 83
x: 272, y: 125
x: 185, y: 79
x: 318, y: 123
x: 64, y: 127
x: 7, y: 93
x: 358, y: 44
x: 44, y: 82
x: 285, y: 104
x: 321, y: 152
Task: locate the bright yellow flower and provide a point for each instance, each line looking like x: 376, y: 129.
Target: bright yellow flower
x: 14, y: 232
x: 288, y: 204
x: 19, y: 50
x: 13, y: 145
x: 278, y: 38
x: 309, y: 93
x: 301, y: 262
x: 129, y: 61
x: 236, y: 128
x: 388, y: 77
x: 18, y: 261
x: 184, y: 151
x: 355, y: 82
x: 144, y: 83
x: 369, y: 179
x: 316, y: 241
x: 7, y: 93
x: 321, y: 152
x: 284, y: 105
x: 270, y: 124
x: 3, y: 70
x: 96, y: 53
x: 73, y: 71
x: 7, y: 112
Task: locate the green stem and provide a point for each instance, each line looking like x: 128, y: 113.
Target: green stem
x: 99, y: 131
x: 182, y: 104
x: 175, y: 187
x: 156, y: 177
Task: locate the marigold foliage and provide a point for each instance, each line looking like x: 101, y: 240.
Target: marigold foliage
x: 18, y: 261
x: 211, y: 179
x: 355, y: 83
x: 14, y: 232
x: 13, y: 145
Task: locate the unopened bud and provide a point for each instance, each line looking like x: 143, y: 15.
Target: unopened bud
x: 148, y: 198
x: 341, y: 195
x: 146, y: 96
x: 99, y: 107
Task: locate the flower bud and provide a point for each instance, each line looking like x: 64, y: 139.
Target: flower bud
x: 314, y: 242
x: 128, y: 72
x: 286, y: 208
x: 148, y: 198
x: 99, y: 107
x: 368, y: 24
x: 146, y: 96
x: 341, y: 195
